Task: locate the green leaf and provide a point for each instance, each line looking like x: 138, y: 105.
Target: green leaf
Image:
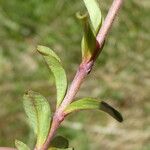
x: 39, y: 115
x: 88, y: 43
x: 60, y: 142
x: 90, y: 103
x: 94, y: 13
x: 21, y: 146
x: 55, y: 66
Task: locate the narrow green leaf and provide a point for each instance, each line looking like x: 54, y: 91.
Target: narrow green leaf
x: 94, y: 13
x: 88, y: 43
x: 39, y: 115
x: 90, y: 103
x: 21, y: 146
x: 60, y: 142
x: 55, y: 66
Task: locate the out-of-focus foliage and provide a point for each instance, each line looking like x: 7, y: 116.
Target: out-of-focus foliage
x: 120, y: 76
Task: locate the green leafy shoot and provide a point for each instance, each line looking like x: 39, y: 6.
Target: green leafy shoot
x: 39, y: 114
x: 55, y: 66
x: 21, y: 146
x: 88, y: 43
x: 94, y: 13
x: 90, y: 103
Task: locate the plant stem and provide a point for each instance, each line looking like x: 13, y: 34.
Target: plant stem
x: 7, y: 148
x: 107, y: 24
x: 113, y: 11
x: 82, y: 72
x: 58, y: 117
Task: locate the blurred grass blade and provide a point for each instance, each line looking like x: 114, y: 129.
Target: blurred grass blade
x: 38, y: 111
x: 60, y: 142
x: 88, y: 43
x: 90, y: 103
x: 55, y: 66
x: 21, y: 146
x: 94, y: 13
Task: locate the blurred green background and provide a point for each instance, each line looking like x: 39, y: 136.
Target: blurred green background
x: 120, y: 76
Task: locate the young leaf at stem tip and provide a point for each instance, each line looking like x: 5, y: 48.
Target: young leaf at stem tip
x: 88, y: 43
x: 94, y: 13
x: 21, y: 146
x: 90, y: 103
x: 55, y: 66
x: 39, y: 114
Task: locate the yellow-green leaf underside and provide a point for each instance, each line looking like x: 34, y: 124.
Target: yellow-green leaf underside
x: 55, y: 66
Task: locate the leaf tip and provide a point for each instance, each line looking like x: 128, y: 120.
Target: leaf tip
x: 81, y: 16
x: 110, y: 110
x: 21, y: 146
x: 42, y: 50
x: 28, y: 93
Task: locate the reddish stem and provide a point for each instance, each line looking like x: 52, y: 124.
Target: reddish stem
x: 82, y: 72
x: 7, y: 148
x: 107, y: 24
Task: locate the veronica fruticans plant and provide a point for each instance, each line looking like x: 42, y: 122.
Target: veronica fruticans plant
x: 37, y: 107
